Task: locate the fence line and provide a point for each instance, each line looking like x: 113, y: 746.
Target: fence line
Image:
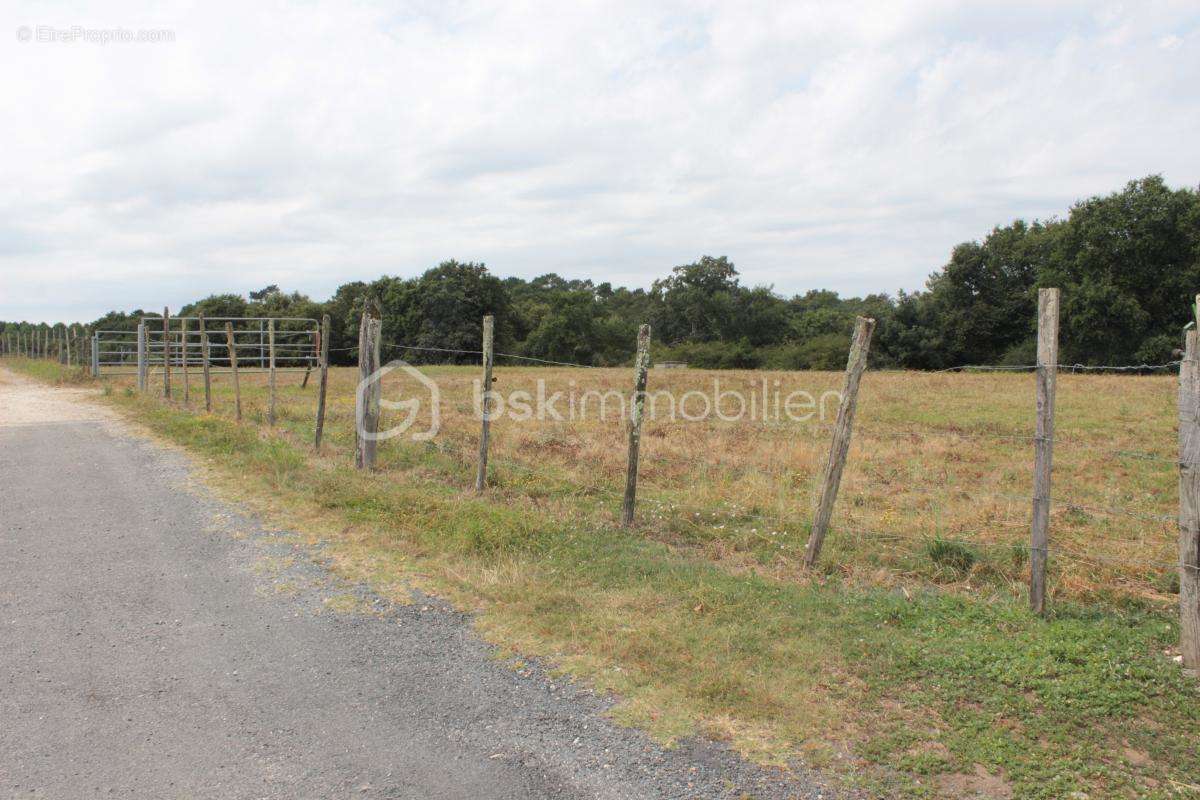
x: 275, y: 342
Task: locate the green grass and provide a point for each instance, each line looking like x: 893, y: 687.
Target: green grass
x: 921, y: 693
x: 49, y: 371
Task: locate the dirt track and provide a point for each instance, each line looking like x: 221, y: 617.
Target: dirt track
x: 155, y: 643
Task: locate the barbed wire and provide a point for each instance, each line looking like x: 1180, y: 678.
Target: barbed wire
x: 1072, y: 367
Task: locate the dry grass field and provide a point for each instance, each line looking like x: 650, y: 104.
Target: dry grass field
x: 908, y: 664
x: 937, y: 487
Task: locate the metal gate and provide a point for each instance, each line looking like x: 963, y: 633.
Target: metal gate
x: 295, y: 343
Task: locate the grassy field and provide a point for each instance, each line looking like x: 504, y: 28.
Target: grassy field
x: 907, y: 663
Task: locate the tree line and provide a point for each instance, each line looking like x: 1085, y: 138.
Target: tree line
x: 1128, y: 264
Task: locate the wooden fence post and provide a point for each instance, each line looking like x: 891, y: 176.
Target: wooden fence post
x: 839, y: 445
x: 641, y: 369
x: 1189, y: 498
x: 324, y: 383
x: 271, y: 375
x: 205, y: 366
x: 166, y: 353
x: 95, y: 355
x: 233, y: 366
x: 485, y: 401
x: 141, y: 357
x: 183, y: 340
x: 67, y: 344
x: 369, y: 393
x: 1043, y: 446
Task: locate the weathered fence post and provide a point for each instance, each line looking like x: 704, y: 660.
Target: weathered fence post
x: 205, y: 366
x: 271, y: 375
x: 183, y: 340
x: 141, y: 356
x: 369, y: 392
x: 166, y: 353
x: 839, y: 445
x: 641, y: 369
x: 324, y: 383
x: 1189, y: 498
x: 67, y: 344
x: 1043, y: 446
x: 485, y: 401
x: 233, y: 366
x: 95, y: 355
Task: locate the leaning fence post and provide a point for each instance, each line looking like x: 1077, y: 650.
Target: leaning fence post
x: 1043, y: 446
x: 233, y: 366
x: 324, y: 383
x: 369, y: 392
x: 839, y: 446
x: 641, y: 368
x: 1189, y: 498
x: 485, y: 403
x: 166, y: 353
x: 205, y: 366
x: 271, y: 376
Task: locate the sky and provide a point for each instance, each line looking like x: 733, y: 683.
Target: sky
x: 844, y: 146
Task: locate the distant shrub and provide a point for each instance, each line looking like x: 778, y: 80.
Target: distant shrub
x: 1021, y: 354
x: 711, y: 355
x: 825, y: 352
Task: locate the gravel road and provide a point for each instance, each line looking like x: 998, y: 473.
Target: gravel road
x: 155, y: 643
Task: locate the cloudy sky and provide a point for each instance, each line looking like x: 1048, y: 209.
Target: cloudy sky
x: 818, y: 145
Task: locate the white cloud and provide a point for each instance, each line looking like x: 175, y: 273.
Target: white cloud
x: 846, y: 147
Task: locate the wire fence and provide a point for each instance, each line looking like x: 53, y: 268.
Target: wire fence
x: 669, y: 477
